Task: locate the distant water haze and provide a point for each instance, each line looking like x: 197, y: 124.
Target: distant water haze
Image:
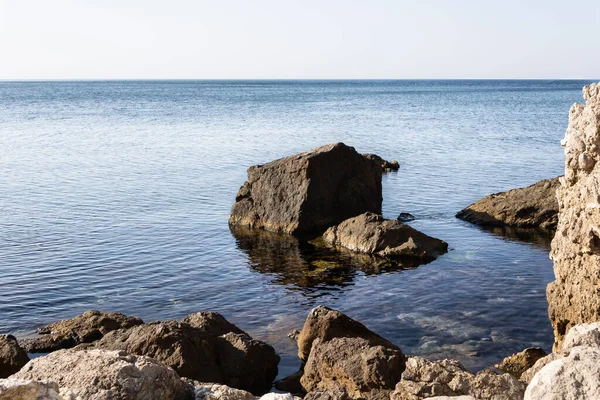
x: 115, y: 196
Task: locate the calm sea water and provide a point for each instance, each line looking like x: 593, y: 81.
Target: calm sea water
x: 115, y: 196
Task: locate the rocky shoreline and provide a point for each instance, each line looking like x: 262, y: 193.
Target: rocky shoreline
x: 333, y: 194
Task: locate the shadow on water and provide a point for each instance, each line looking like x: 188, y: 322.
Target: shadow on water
x: 308, y: 264
x: 539, y: 238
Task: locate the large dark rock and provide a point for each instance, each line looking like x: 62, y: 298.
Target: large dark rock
x: 12, y: 356
x: 308, y: 192
x: 534, y: 206
x: 205, y: 348
x: 84, y: 328
x: 372, y: 234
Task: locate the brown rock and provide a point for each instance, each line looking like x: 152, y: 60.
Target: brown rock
x: 335, y: 393
x: 363, y: 370
x: 520, y: 362
x: 386, y: 166
x: 533, y: 206
x: 574, y: 296
x: 12, y: 356
x: 214, y: 324
x: 308, y: 192
x: 324, y: 323
x: 100, y: 375
x: 84, y: 328
x: 372, y: 234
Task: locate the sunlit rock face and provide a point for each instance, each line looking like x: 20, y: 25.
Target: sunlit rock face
x: 574, y: 296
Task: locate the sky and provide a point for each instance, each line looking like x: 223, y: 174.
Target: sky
x: 299, y: 39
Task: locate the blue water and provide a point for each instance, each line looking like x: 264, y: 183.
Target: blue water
x: 115, y: 196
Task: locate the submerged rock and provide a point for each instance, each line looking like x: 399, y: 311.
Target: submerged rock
x: 100, y: 374
x: 24, y: 389
x: 202, y: 352
x: 84, y: 328
x: 533, y: 206
x: 12, y: 356
x: 405, y: 217
x: 372, y: 234
x: 520, y: 362
x: 574, y: 296
x: 308, y: 192
x: 386, y: 166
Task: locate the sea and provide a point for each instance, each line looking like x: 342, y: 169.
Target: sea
x: 114, y: 195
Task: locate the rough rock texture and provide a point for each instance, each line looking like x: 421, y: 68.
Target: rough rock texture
x: 575, y: 376
x: 308, y: 192
x: 214, y: 324
x: 574, y: 297
x: 21, y: 389
x: 522, y: 361
x: 100, y: 375
x: 386, y: 166
x: 215, y: 391
x: 324, y: 323
x: 233, y: 359
x: 84, y: 328
x: 424, y: 379
x: 12, y: 357
x: 533, y: 206
x: 371, y: 233
x: 335, y: 393
x: 364, y: 371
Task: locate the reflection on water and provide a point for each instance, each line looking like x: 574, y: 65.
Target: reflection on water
x: 309, y: 264
x: 538, y: 237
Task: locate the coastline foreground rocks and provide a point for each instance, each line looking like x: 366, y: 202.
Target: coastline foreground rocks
x: 12, y: 356
x: 574, y: 296
x: 372, y: 234
x: 520, y: 362
x: 533, y: 206
x: 308, y: 192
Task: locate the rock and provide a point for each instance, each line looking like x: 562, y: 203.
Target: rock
x: 521, y: 362
x: 279, y: 396
x: 363, y: 370
x: 386, y: 166
x: 308, y: 192
x: 534, y: 206
x: 212, y: 323
x: 405, y: 217
x: 291, y: 383
x: 372, y: 234
x: 84, y: 328
x: 215, y: 391
x: 233, y: 359
x: 21, y: 389
x: 12, y: 357
x: 324, y: 323
x: 582, y: 335
x: 100, y: 374
x: 294, y: 335
x: 572, y: 377
x: 335, y: 393
x: 425, y: 379
x: 574, y: 296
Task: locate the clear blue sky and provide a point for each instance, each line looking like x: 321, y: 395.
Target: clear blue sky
x: 187, y: 39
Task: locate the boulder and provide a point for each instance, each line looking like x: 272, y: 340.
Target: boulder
x: 308, y: 192
x: 574, y: 297
x: 325, y: 324
x: 406, y: 217
x: 574, y: 376
x: 84, y: 328
x: 215, y: 391
x: 521, y: 362
x: 21, y: 389
x: 363, y: 370
x: 386, y: 166
x: 426, y: 379
x: 335, y: 393
x: 212, y: 323
x: 233, y: 359
x: 12, y: 357
x: 533, y: 206
x: 100, y: 375
x: 372, y: 234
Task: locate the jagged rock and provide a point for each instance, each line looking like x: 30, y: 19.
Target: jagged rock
x: 215, y: 391
x: 424, y: 379
x: 335, y: 393
x: 308, y: 192
x: 100, y: 375
x: 84, y: 328
x: 574, y: 296
x: 214, y: 324
x: 233, y: 359
x: 520, y: 362
x: 293, y: 334
x: 386, y: 166
x: 363, y: 370
x: 324, y: 323
x: 574, y: 376
x: 533, y: 206
x: 372, y: 234
x: 22, y: 389
x: 12, y: 356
